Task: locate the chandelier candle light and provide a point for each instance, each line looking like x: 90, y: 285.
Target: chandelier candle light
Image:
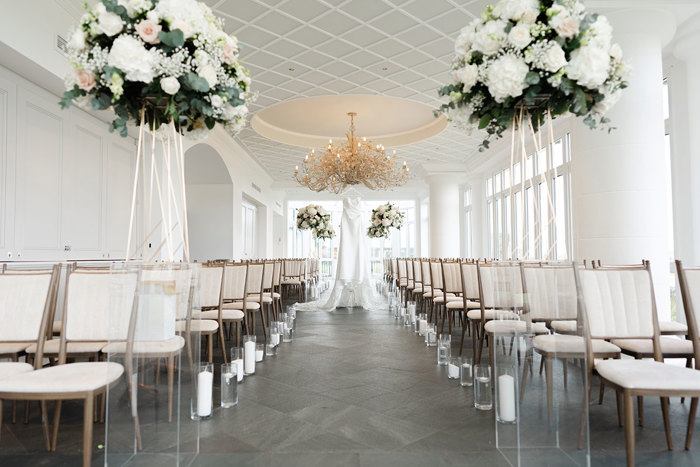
x: 356, y: 162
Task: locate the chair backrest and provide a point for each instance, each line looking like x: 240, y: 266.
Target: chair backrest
x: 256, y: 272
x: 210, y: 285
x: 409, y: 271
x: 402, y: 269
x: 235, y: 281
x: 425, y: 272
x: 550, y: 292
x: 394, y: 268
x: 98, y: 304
x: 470, y: 280
x: 500, y: 286
x: 277, y: 273
x: 436, y: 274
x: 176, y: 279
x: 618, y: 303
x: 24, y: 304
x: 452, y: 280
x: 417, y: 272
x: 268, y: 276
x: 689, y: 280
x: 291, y: 269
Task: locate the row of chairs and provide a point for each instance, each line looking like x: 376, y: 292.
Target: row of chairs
x: 585, y: 312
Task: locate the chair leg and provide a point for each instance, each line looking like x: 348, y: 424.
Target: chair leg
x: 465, y: 325
x: 45, y: 424
x: 492, y: 356
x: 601, y: 393
x: 528, y: 362
x: 482, y: 331
x: 691, y: 422
x: 566, y: 372
x: 222, y: 341
x: 541, y: 365
x: 550, y: 387
x: 56, y: 423
x: 629, y: 427
x: 640, y: 410
x: 210, y: 348
x: 667, y: 422
x: 87, y: 430
x: 171, y: 380
x: 620, y: 419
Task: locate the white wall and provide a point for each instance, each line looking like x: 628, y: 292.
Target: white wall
x: 210, y: 218
x: 65, y: 180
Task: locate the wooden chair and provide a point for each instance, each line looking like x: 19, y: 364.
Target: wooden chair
x: 259, y: 280
x: 210, y: 297
x: 470, y: 298
x: 84, y: 380
x: 619, y: 303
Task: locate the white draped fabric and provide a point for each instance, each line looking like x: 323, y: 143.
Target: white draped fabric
x: 353, y: 285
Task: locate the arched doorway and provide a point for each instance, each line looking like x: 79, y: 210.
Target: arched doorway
x: 209, y: 204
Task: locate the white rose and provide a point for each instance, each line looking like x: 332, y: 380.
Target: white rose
x: 129, y: 55
x: 216, y: 101
x: 601, y: 31
x: 183, y: 26
x: 602, y: 107
x: 467, y: 76
x: 376, y: 222
x: 515, y: 9
x: 506, y: 77
x: 386, y: 222
x: 553, y: 58
x: 466, y: 38
x: 519, y: 36
x: 588, y: 66
x: 381, y: 209
x: 110, y: 23
x: 616, y: 52
x: 77, y: 40
x: 209, y: 73
x: 170, y: 85
x: 530, y: 16
x: 489, y: 38
x: 312, y: 211
x: 304, y: 224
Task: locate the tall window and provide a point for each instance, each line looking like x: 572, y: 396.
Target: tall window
x: 468, y: 223
x: 528, y: 213
x: 249, y: 218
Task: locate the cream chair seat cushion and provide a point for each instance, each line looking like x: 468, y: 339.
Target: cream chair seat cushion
x: 146, y: 348
x: 506, y: 326
x: 274, y: 295
x: 206, y: 326
x: 670, y: 346
x: 68, y: 378
x: 51, y: 347
x: 566, y: 326
x: 256, y: 298
x: 562, y: 343
x: 291, y: 282
x: 249, y: 305
x: 648, y: 374
x: 8, y: 369
x: 672, y: 327
x: 450, y: 297
x: 492, y: 314
x: 229, y: 315
x: 12, y: 347
x: 459, y: 304
x: 437, y: 293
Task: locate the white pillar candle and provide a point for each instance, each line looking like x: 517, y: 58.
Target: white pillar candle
x: 421, y: 326
x: 205, y: 380
x: 258, y: 355
x: 249, y: 357
x: 275, y: 339
x: 453, y: 371
x: 239, y: 369
x: 506, y: 398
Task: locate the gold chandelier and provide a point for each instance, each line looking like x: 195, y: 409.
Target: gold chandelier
x: 351, y: 163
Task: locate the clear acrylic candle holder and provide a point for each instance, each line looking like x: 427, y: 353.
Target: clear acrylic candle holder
x: 202, y: 405
x: 431, y: 336
x: 229, y: 385
x: 249, y: 355
x: 483, y: 398
x: 287, y: 334
x: 422, y: 324
x: 453, y: 367
x: 466, y: 376
x: 444, y: 347
x: 237, y: 358
x: 270, y: 350
x: 506, y: 400
x: 411, y: 309
x: 407, y: 320
x: 259, y: 352
x: 274, y: 333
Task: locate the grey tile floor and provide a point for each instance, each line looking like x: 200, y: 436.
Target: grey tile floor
x: 355, y: 388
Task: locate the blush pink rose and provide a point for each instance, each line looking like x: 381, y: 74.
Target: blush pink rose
x: 148, y: 31
x: 229, y: 53
x: 85, y: 80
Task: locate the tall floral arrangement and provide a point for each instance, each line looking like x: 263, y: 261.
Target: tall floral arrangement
x: 313, y: 217
x: 383, y: 218
x: 542, y: 55
x: 169, y: 59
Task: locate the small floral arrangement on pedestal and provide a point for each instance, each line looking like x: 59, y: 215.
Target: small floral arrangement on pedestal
x: 550, y: 57
x: 313, y: 217
x: 384, y: 217
x: 158, y: 61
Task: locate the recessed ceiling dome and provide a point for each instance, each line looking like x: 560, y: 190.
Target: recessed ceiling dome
x: 311, y: 122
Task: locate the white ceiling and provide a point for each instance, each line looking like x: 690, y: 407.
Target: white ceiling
x: 342, y: 47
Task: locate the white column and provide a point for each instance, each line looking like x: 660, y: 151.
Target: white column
x: 685, y: 141
x: 618, y: 178
x: 445, y: 234
x: 479, y: 249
